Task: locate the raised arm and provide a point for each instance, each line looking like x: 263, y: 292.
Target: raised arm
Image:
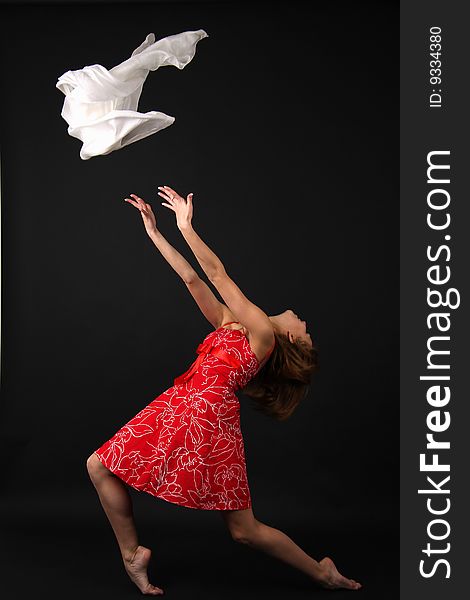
x: 214, y: 310
x: 246, y: 312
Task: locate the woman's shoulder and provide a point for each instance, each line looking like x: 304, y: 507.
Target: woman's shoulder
x: 261, y: 341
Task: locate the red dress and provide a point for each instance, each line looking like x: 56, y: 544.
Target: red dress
x: 186, y: 446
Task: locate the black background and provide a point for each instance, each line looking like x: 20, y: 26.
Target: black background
x: 287, y: 133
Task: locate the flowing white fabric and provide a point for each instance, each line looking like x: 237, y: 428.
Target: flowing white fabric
x: 101, y: 106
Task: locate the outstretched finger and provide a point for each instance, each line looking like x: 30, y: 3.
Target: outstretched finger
x: 137, y: 198
x: 169, y: 206
x: 133, y: 202
x: 142, y: 207
x: 139, y: 203
x: 171, y: 191
x: 171, y: 194
x: 166, y: 197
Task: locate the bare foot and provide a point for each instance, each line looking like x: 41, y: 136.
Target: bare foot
x: 333, y: 580
x: 136, y: 568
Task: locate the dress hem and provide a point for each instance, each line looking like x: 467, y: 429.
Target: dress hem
x: 161, y: 497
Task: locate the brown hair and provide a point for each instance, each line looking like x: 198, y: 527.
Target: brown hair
x: 284, y: 381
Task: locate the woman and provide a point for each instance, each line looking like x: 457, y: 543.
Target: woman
x: 186, y: 446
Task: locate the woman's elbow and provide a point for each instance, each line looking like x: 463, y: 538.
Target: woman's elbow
x: 190, y: 277
x: 217, y: 275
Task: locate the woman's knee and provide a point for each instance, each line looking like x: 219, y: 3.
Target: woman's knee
x: 240, y: 536
x: 94, y: 466
x: 242, y: 525
x: 245, y: 533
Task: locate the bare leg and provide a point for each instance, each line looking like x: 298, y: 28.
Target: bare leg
x: 245, y: 528
x: 117, y: 504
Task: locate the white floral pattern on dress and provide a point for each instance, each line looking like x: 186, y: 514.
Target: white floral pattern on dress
x: 186, y: 446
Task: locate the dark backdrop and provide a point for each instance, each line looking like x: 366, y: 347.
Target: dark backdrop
x: 287, y: 133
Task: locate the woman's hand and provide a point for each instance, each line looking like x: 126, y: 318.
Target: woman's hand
x: 181, y: 207
x: 146, y: 212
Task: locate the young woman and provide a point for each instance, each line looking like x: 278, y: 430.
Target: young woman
x: 186, y: 446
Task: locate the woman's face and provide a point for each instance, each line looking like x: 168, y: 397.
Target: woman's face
x: 293, y: 326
